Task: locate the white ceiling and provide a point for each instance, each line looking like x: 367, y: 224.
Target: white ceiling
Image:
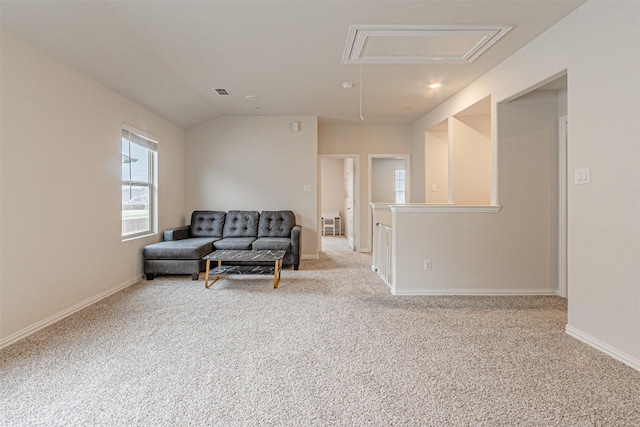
x: 169, y: 55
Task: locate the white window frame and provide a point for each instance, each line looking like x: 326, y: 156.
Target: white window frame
x: 400, y: 185
x: 141, y: 138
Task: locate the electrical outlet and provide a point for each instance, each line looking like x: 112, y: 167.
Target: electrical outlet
x: 427, y: 265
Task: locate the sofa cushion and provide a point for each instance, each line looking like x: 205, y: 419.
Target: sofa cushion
x: 235, y: 243
x: 194, y: 248
x: 276, y: 223
x: 241, y: 224
x: 207, y: 223
x: 272, y: 243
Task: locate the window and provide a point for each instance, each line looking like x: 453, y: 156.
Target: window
x: 400, y: 186
x: 138, y: 184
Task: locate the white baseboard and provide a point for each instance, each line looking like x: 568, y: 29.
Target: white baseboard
x: 630, y: 361
x: 479, y: 292
x: 15, y: 337
x: 309, y: 256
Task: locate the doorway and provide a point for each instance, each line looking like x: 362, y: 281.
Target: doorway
x: 338, y: 197
x: 537, y: 119
x: 389, y: 183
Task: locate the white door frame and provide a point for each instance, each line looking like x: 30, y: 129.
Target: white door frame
x: 356, y: 196
x: 562, y: 205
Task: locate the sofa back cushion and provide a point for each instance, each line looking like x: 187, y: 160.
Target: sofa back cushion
x: 276, y: 223
x: 241, y: 224
x: 207, y: 223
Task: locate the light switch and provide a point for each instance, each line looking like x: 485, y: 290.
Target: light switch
x: 582, y: 176
x: 434, y: 187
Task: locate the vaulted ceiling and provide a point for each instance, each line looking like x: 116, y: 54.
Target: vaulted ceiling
x: 169, y: 56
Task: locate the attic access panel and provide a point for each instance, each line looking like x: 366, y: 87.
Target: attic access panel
x: 419, y: 44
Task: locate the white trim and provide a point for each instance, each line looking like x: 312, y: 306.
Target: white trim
x: 478, y: 292
x: 357, y: 36
x: 309, y: 256
x: 562, y: 206
x: 442, y: 208
x: 628, y: 360
x: 15, y: 337
x: 451, y: 182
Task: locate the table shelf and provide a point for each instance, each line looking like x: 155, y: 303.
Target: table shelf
x: 243, y: 269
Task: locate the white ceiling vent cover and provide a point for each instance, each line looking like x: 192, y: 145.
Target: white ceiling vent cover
x: 419, y: 44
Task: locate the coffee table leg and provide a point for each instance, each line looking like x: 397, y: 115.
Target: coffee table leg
x: 206, y: 274
x: 276, y: 273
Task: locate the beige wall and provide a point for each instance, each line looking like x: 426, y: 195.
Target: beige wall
x: 470, y: 138
x: 604, y: 107
x: 256, y: 163
x: 505, y: 252
x: 61, y: 244
x: 437, y: 166
x: 363, y: 140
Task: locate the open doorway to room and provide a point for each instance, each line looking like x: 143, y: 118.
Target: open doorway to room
x: 534, y: 124
x: 338, y: 200
x: 389, y: 184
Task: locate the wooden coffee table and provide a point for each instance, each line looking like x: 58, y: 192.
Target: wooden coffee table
x: 246, y: 257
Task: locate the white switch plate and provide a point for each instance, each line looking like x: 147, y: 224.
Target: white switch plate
x: 582, y: 176
x: 434, y: 187
x: 427, y: 265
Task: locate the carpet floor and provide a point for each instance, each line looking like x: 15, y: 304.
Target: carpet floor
x: 330, y: 347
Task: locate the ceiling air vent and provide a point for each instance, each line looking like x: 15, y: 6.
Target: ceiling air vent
x: 419, y: 44
x: 222, y: 92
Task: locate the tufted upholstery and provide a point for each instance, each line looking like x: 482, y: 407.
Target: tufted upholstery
x: 241, y: 224
x: 276, y: 223
x: 207, y: 223
x: 183, y: 247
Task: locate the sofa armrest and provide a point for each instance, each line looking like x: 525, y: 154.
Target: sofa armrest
x: 177, y: 233
x: 295, y: 243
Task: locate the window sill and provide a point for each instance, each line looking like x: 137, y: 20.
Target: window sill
x: 139, y: 236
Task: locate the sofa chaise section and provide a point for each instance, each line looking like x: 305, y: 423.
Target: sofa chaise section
x: 182, y: 250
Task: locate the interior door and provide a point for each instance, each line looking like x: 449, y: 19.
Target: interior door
x: 350, y: 201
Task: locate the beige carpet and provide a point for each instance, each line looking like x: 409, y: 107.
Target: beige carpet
x: 329, y: 347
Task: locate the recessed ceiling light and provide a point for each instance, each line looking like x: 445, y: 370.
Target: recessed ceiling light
x: 251, y: 97
x: 347, y: 85
x: 435, y: 85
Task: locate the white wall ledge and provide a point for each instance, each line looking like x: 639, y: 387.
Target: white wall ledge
x: 443, y: 208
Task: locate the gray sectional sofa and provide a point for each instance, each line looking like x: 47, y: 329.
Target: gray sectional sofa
x: 183, y: 248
